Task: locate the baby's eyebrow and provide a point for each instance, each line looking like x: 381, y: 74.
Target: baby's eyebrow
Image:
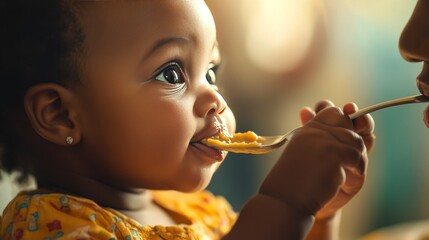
x: 165, y: 41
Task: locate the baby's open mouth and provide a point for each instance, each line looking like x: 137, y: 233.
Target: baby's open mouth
x: 225, y: 139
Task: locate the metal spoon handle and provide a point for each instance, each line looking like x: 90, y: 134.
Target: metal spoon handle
x: 394, y: 102
x: 273, y: 142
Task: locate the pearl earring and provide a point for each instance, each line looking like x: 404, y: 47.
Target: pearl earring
x: 69, y: 140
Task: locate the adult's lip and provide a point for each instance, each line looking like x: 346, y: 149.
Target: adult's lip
x: 423, y: 86
x: 423, y: 80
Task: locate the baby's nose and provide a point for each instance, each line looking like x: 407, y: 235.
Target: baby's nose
x: 218, y: 104
x: 209, y: 102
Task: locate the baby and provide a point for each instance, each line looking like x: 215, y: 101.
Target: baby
x: 106, y: 104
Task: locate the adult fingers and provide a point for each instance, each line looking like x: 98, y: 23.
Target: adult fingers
x: 306, y: 114
x: 342, y: 144
x: 322, y: 105
x: 353, y: 159
x: 363, y: 125
x: 333, y: 116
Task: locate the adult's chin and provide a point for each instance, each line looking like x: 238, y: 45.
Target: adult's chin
x: 426, y: 116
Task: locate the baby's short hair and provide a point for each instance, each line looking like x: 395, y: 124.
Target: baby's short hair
x: 40, y: 42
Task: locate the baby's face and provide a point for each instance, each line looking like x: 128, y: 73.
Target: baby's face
x: 148, y: 96
x: 414, y: 42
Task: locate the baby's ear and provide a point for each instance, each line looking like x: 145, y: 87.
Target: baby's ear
x: 51, y: 110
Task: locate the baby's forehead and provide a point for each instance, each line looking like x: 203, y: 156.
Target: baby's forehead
x: 147, y: 19
x: 173, y: 12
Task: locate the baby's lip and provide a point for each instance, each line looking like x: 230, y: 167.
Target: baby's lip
x: 210, y: 130
x: 213, y: 153
x: 214, y: 127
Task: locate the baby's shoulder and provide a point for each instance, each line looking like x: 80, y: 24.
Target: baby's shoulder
x: 204, y: 200
x: 199, y: 209
x: 196, y: 206
x: 47, y: 215
x: 42, y: 214
x: 30, y: 205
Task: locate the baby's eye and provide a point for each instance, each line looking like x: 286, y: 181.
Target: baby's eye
x: 171, y: 74
x: 211, y: 75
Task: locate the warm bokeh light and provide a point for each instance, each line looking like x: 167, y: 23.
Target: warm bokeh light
x: 384, y: 12
x: 280, y: 33
x: 264, y: 41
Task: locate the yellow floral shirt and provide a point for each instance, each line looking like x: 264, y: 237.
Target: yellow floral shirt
x: 48, y: 216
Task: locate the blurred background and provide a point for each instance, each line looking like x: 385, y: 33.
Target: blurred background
x: 281, y: 55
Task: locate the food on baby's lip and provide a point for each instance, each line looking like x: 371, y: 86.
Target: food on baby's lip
x: 225, y: 140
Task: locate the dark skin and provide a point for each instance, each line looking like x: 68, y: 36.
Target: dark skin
x: 328, y: 219
x: 339, y: 180
x: 414, y: 46
x: 134, y: 129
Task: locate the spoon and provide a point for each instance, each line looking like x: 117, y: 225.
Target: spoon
x: 270, y: 143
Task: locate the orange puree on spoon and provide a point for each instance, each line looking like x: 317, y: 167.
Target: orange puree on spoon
x: 224, y: 139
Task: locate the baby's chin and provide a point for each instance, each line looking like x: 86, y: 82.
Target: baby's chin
x: 426, y: 116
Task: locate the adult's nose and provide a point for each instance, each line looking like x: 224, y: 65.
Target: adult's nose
x: 414, y: 40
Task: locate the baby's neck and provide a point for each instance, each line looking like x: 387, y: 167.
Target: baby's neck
x: 134, y: 203
x: 104, y: 194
